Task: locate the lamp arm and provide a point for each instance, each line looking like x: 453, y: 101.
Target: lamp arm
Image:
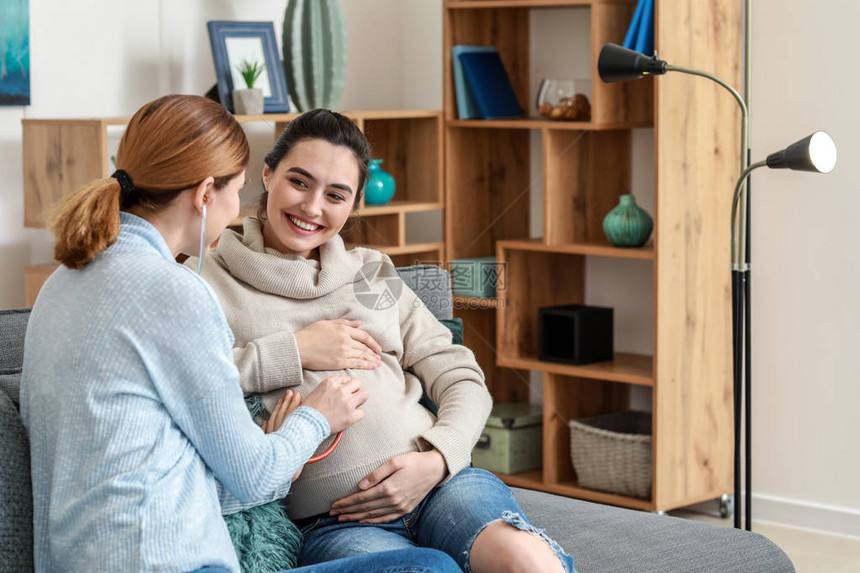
x: 740, y: 192
x: 712, y: 77
x: 738, y: 255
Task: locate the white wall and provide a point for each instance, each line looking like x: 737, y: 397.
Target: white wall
x: 106, y: 58
x: 102, y: 57
x: 805, y: 277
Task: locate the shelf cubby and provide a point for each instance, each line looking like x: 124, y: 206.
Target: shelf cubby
x: 585, y: 172
x: 491, y: 190
x: 505, y: 25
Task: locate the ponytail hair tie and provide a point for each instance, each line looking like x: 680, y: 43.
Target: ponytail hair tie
x: 127, y: 195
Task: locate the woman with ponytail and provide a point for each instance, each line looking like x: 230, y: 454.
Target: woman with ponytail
x: 138, y: 430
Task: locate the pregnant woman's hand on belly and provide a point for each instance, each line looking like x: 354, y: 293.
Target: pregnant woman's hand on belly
x: 337, y: 345
x: 393, y: 489
x: 338, y: 398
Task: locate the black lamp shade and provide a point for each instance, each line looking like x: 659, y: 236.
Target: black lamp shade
x: 816, y: 152
x: 617, y: 63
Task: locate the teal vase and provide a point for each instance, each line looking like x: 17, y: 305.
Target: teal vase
x: 628, y: 225
x: 380, y: 185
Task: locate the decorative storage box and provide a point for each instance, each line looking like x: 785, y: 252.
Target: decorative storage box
x: 612, y: 452
x: 575, y: 334
x: 474, y: 277
x: 512, y: 441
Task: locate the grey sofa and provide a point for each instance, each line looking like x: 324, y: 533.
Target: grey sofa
x: 601, y: 538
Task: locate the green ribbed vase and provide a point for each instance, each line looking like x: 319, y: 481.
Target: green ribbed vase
x: 628, y: 224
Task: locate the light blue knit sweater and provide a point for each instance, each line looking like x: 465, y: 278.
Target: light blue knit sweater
x: 133, y: 408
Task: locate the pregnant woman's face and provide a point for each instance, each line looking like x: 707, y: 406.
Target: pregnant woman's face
x: 311, y: 194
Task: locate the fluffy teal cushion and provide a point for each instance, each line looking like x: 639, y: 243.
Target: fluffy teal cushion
x: 264, y: 538
x: 455, y: 325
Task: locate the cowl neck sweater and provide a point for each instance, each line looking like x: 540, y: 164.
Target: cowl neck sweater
x: 287, y: 275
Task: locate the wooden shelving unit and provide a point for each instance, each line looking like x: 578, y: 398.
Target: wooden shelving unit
x: 61, y: 155
x: 585, y: 167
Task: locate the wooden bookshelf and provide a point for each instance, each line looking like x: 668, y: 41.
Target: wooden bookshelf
x: 585, y: 167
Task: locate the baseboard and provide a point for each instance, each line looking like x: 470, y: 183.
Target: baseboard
x: 785, y: 512
x: 806, y: 515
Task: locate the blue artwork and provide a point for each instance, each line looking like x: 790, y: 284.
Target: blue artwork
x: 14, y: 52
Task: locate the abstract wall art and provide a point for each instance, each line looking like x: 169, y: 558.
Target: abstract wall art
x: 14, y: 52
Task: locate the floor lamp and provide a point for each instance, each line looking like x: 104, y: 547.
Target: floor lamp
x: 814, y: 153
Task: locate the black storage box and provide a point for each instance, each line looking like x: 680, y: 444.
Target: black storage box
x: 575, y: 334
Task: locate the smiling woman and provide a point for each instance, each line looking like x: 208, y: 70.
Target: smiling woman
x: 289, y: 272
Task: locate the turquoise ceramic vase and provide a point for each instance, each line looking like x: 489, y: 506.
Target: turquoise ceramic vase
x: 380, y: 185
x: 628, y: 225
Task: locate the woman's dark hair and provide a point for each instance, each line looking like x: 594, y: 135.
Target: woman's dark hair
x: 324, y: 124
x: 170, y: 145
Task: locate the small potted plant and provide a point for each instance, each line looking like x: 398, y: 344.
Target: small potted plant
x: 249, y: 101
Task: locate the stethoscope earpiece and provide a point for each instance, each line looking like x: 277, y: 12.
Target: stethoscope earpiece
x: 202, y: 238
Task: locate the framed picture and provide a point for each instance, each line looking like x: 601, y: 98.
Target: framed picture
x: 14, y: 52
x: 235, y: 42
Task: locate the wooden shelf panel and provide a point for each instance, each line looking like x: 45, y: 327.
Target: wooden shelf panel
x: 592, y: 249
x: 59, y: 158
x: 395, y: 114
x: 34, y: 277
x: 534, y: 123
x: 625, y: 368
x: 479, y: 336
x: 489, y: 190
x: 534, y: 480
x: 248, y: 210
x: 397, y: 207
x: 468, y: 4
x: 405, y: 249
x: 411, y: 254
x: 355, y: 115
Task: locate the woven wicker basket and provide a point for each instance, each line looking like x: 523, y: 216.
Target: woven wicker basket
x: 612, y: 452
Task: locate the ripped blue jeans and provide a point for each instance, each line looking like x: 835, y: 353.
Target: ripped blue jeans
x: 449, y: 518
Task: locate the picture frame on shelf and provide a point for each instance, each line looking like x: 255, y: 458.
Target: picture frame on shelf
x: 234, y: 41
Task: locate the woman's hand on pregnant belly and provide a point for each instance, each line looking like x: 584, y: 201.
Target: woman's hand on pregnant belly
x: 393, y: 489
x: 337, y: 345
x: 283, y: 408
x: 338, y: 398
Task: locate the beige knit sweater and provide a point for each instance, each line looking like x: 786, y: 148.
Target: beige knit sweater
x: 267, y: 296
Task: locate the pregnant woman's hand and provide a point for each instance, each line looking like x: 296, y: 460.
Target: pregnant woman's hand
x: 393, y: 489
x: 337, y: 345
x: 338, y: 398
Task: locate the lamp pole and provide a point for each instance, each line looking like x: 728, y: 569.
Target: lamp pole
x: 745, y: 273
